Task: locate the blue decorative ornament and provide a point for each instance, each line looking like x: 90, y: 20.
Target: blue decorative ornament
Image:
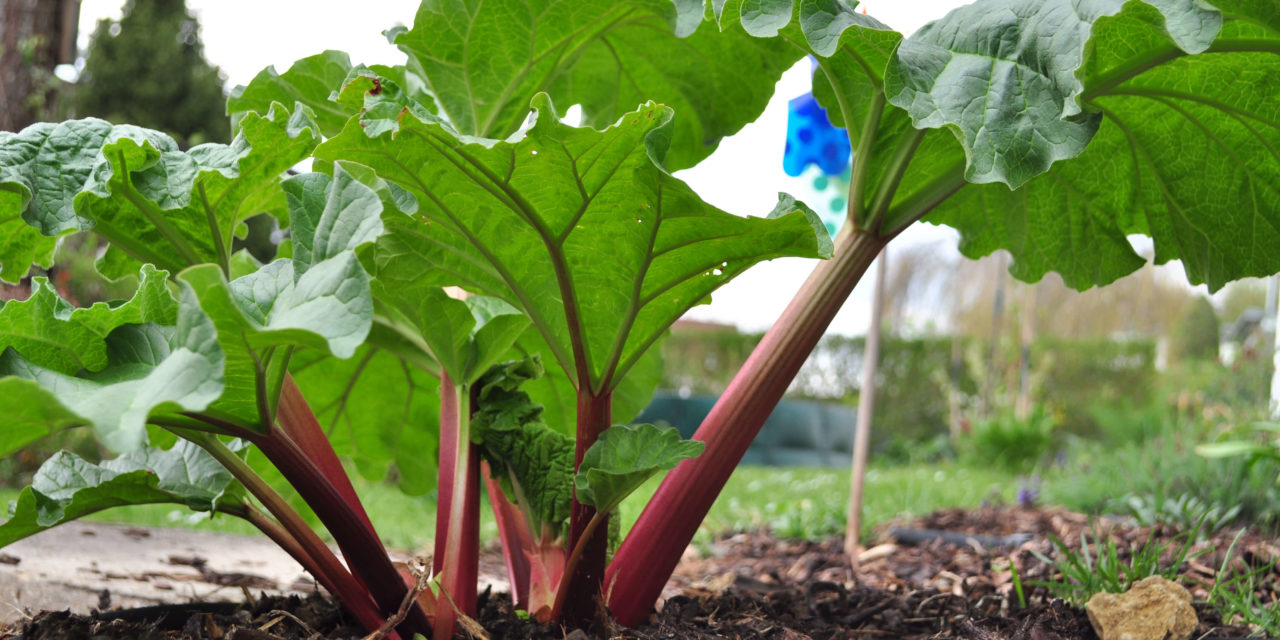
x: 812, y: 139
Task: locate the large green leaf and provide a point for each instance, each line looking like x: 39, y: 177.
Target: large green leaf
x: 582, y: 229
x: 625, y: 457
x: 152, y: 370
x: 154, y: 202
x: 484, y: 62
x: 50, y: 332
x: 1187, y: 151
x: 68, y: 487
x: 378, y: 411
x: 1005, y: 75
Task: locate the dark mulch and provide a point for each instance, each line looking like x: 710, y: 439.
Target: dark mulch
x: 753, y: 585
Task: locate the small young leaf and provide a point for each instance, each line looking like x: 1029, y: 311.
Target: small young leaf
x: 533, y: 462
x: 625, y: 457
x: 67, y: 487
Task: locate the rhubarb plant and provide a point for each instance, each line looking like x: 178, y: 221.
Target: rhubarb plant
x: 1051, y: 129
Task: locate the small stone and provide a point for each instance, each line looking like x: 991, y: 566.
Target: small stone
x: 1152, y: 609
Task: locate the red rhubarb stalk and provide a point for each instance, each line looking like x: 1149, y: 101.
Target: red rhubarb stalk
x: 458, y: 552
x: 595, y: 414
x: 650, y: 552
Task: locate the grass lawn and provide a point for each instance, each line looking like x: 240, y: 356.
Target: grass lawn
x: 795, y: 502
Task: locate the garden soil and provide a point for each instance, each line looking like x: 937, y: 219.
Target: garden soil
x: 749, y: 585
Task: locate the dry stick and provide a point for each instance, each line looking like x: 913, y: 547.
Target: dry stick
x: 465, y: 621
x: 866, y: 411
x: 419, y: 585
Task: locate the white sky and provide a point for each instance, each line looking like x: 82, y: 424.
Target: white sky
x: 743, y: 176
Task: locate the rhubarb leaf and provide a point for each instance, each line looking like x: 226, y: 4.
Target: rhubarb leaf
x: 850, y: 49
x: 581, y: 229
x: 50, y: 332
x: 311, y: 81
x: 1186, y: 152
x: 28, y: 422
x: 152, y: 369
x: 624, y: 458
x: 465, y: 337
x: 1006, y: 77
x: 319, y: 298
x: 21, y: 245
x: 138, y: 190
x: 67, y: 487
x: 533, y: 462
x: 485, y: 61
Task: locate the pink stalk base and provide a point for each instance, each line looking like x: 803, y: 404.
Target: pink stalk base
x: 514, y: 534
x: 458, y: 552
x: 650, y: 552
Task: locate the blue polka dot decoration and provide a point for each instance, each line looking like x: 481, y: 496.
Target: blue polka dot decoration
x: 812, y: 139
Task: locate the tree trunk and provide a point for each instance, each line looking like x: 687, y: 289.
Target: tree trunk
x: 35, y: 37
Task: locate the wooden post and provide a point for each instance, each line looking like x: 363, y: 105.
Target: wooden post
x: 866, y: 409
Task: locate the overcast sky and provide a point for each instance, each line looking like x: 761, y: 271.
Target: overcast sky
x: 743, y: 176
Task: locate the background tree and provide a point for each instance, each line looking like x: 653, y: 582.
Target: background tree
x: 149, y: 69
x: 35, y: 37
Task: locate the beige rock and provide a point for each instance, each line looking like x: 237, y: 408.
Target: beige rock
x: 1152, y: 609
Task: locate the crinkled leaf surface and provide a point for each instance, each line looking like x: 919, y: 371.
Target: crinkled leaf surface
x: 625, y: 457
x: 319, y: 298
x: 851, y: 49
x: 152, y: 369
x: 68, y: 487
x: 48, y: 331
x: 1187, y: 152
x: 152, y: 201
x: 484, y: 61
x: 533, y: 461
x: 582, y: 229
x: 310, y: 81
x: 1005, y: 76
x: 378, y: 410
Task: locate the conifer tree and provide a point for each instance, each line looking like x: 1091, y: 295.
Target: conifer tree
x: 149, y: 69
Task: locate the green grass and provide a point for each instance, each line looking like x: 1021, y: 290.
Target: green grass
x: 794, y: 502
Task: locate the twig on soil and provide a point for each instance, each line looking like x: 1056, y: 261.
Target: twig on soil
x: 467, y: 623
x: 423, y: 577
x: 282, y: 614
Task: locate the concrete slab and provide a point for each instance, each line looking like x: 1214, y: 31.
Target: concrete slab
x: 88, y: 565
